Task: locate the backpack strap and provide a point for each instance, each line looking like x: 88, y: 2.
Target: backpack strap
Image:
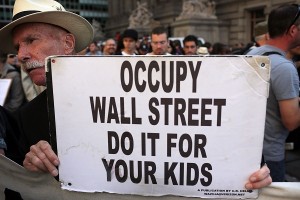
x: 271, y: 52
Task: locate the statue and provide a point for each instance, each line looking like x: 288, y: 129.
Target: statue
x: 211, y: 8
x: 198, y: 9
x: 141, y: 17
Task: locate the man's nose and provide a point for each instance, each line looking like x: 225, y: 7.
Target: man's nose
x: 159, y: 45
x: 23, y: 53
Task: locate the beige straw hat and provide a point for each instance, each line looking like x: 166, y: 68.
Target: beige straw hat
x: 50, y: 12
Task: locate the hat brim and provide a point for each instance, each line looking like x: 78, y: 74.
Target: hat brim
x: 75, y: 24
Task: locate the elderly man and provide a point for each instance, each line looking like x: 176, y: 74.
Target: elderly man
x: 261, y: 33
x: 110, y: 47
x: 283, y: 110
x: 40, y: 29
x: 46, y: 34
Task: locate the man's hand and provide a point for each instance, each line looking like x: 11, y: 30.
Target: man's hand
x: 41, y: 158
x: 259, y: 179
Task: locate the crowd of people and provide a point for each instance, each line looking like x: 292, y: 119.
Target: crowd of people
x: 130, y: 44
x: 190, y: 45
x: 24, y: 125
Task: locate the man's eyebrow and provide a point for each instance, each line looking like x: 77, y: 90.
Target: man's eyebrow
x: 30, y: 36
x: 26, y: 38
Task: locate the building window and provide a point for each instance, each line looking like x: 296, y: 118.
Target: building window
x: 256, y: 16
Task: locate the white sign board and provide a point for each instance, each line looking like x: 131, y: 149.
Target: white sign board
x: 187, y: 126
x: 4, y: 89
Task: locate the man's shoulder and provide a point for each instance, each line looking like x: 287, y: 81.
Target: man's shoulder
x: 40, y: 101
x: 266, y: 50
x: 10, y: 71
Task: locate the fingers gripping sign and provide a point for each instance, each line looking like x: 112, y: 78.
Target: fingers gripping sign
x: 41, y: 158
x: 259, y: 179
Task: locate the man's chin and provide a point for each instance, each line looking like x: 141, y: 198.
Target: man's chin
x: 38, y: 77
x: 159, y: 53
x: 39, y: 81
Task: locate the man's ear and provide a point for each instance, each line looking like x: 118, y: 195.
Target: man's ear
x: 267, y: 37
x: 69, y: 44
x: 293, y: 30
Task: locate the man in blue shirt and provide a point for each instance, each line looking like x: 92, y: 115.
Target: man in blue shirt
x: 283, y: 111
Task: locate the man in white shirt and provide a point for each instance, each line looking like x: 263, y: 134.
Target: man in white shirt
x: 159, y: 41
x: 129, y: 38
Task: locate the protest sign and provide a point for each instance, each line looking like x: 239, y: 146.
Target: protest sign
x: 37, y: 186
x: 187, y: 126
x: 4, y: 89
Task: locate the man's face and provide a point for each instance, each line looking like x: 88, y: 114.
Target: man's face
x: 129, y: 44
x: 110, y: 47
x: 159, y: 44
x: 295, y: 50
x: 190, y: 48
x: 12, y: 59
x: 93, y: 47
x: 34, y: 42
x: 296, y: 41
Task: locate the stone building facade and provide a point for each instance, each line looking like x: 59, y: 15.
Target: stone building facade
x: 226, y: 21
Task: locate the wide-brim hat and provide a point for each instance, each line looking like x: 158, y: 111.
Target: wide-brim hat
x: 50, y: 12
x: 131, y: 33
x: 202, y: 51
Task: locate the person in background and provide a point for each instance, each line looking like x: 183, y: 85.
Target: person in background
x: 294, y: 55
x: 15, y: 97
x: 171, y: 48
x: 11, y: 105
x: 109, y: 47
x: 159, y: 41
x: 203, y: 51
x: 2, y: 131
x: 129, y: 39
x: 220, y: 49
x: 209, y: 46
x: 283, y: 111
x: 143, y: 50
x: 178, y: 47
x: 261, y: 36
x: 12, y: 59
x: 93, y: 50
x: 190, y: 45
x: 294, y: 136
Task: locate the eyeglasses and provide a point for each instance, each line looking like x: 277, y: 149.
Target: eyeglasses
x: 296, y: 17
x: 11, y: 56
